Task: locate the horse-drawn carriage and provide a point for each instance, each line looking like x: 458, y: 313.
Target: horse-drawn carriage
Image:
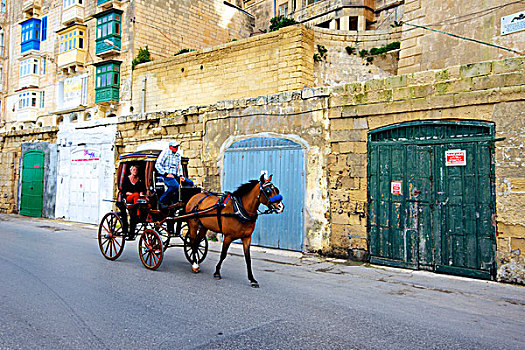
x: 191, y: 214
x: 157, y: 228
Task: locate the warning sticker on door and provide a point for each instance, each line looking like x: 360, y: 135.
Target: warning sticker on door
x: 456, y: 157
x: 396, y: 187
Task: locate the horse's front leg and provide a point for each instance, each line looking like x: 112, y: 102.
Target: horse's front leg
x: 246, y: 242
x: 225, y: 245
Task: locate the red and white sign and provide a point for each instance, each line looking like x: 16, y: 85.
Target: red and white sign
x: 456, y: 157
x: 396, y: 187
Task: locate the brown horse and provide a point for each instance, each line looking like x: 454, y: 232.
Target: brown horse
x: 234, y: 216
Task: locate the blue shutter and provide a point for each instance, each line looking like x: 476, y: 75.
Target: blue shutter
x: 44, y: 28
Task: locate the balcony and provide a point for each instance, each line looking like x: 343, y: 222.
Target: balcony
x: 73, y: 14
x: 31, y: 8
x: 105, y: 4
x: 28, y: 114
x: 30, y: 47
x: 31, y: 80
x: 107, y: 95
x: 72, y: 59
x: 108, y: 45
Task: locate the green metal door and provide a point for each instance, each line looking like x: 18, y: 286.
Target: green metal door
x: 32, y: 188
x: 431, y: 197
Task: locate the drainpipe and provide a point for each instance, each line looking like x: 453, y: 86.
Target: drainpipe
x: 275, y: 8
x: 143, y: 104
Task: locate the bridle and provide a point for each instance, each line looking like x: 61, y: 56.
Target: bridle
x: 267, y: 188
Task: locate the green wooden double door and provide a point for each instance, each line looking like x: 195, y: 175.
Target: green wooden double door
x: 431, y: 197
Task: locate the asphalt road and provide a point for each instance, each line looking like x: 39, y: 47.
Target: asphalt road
x: 58, y: 292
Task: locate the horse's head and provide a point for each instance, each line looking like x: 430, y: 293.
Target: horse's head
x: 270, y: 195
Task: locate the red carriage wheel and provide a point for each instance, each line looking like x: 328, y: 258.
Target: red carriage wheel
x: 151, y: 249
x: 199, y: 251
x: 111, y: 236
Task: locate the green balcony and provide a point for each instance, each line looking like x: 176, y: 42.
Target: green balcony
x: 107, y: 94
x: 108, y: 44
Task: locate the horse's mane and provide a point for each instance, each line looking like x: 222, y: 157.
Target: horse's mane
x: 245, y: 188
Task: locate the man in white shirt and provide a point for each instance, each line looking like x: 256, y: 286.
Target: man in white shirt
x: 168, y: 165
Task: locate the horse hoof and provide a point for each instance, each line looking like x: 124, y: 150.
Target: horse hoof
x: 195, y: 268
x: 255, y: 284
x: 217, y: 276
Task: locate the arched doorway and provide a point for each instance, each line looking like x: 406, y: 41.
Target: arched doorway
x: 431, y: 197
x: 245, y: 160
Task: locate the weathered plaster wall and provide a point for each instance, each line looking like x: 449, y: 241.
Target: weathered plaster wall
x: 486, y: 91
x: 424, y: 50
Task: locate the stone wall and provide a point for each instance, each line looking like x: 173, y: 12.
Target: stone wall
x: 10, y: 146
x: 340, y: 67
x: 169, y: 26
x: 266, y: 64
x: 205, y: 132
x: 486, y: 91
x: 423, y: 50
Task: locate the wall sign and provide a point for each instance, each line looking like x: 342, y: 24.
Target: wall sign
x: 456, y: 157
x: 513, y: 23
x: 86, y: 156
x: 396, y: 187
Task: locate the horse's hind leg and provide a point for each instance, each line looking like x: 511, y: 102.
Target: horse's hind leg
x: 193, y: 227
x: 246, y: 242
x: 195, y: 242
x: 225, y: 245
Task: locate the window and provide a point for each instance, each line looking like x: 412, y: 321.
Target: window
x: 283, y: 10
x: 2, y: 42
x: 107, y: 83
x: 2, y: 6
x: 42, y: 99
x: 71, y: 40
x: 30, y: 38
x: 109, y: 28
x: 43, y: 66
x: 69, y: 3
x: 28, y: 67
x: 44, y: 28
x: 27, y: 99
x: 84, y: 94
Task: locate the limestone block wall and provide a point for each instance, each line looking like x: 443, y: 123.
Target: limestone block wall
x: 486, y: 91
x: 205, y: 132
x: 266, y: 64
x: 340, y: 67
x: 168, y: 26
x: 425, y: 50
x: 10, y: 145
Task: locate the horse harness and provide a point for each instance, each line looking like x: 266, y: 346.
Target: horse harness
x: 239, y: 212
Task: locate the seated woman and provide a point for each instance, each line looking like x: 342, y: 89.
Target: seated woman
x: 132, y: 189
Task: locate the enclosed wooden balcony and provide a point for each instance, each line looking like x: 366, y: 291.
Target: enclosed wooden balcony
x: 31, y: 8
x: 105, y: 4
x: 72, y: 14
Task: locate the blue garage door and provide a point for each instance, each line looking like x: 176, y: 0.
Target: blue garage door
x: 245, y: 160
